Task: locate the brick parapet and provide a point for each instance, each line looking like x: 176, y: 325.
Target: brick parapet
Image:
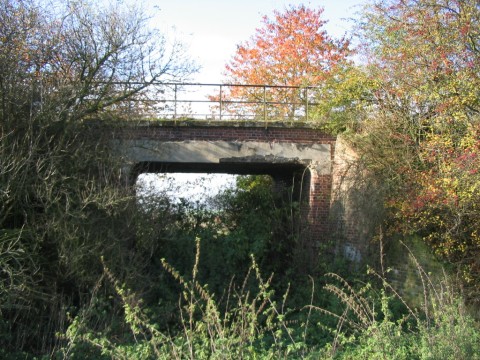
x: 225, y: 132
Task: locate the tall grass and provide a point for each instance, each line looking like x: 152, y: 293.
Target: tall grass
x: 369, y: 328
x: 247, y: 324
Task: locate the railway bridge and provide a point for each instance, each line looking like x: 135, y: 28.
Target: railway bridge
x: 293, y: 151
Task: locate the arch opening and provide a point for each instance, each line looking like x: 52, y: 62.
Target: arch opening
x: 294, y: 176
x: 256, y: 211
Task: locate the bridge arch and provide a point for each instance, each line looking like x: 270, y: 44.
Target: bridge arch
x: 299, y: 156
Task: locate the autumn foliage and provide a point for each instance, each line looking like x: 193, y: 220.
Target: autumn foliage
x: 441, y: 201
x: 290, y: 49
x: 422, y: 134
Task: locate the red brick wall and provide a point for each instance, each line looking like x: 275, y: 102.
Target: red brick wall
x: 226, y: 133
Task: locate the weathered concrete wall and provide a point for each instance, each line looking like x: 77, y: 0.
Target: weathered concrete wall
x: 224, y: 141
x: 136, y: 151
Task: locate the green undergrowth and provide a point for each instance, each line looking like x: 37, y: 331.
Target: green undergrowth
x: 222, y: 282
x: 356, y: 320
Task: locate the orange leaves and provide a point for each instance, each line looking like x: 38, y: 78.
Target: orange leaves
x: 290, y: 49
x: 294, y: 40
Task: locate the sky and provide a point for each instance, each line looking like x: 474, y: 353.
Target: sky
x: 213, y: 28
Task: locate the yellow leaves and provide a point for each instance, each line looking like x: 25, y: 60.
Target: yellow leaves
x: 475, y: 236
x: 424, y: 50
x: 425, y: 133
x: 445, y: 193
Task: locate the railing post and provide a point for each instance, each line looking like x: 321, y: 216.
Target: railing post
x: 264, y: 103
x: 221, y: 96
x: 175, y: 101
x: 306, y: 104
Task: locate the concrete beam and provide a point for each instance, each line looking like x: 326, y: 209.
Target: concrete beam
x: 137, y: 151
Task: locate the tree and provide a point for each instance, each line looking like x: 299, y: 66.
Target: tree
x: 292, y: 49
x: 421, y: 135
x: 62, y: 205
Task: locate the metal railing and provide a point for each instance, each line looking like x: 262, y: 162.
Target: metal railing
x: 197, y: 101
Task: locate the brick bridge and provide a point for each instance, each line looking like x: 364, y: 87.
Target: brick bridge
x: 294, y: 155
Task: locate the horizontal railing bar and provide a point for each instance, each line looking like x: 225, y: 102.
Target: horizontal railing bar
x: 224, y: 101
x: 293, y: 98
x: 213, y: 85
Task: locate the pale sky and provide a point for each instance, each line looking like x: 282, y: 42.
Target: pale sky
x: 213, y: 28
